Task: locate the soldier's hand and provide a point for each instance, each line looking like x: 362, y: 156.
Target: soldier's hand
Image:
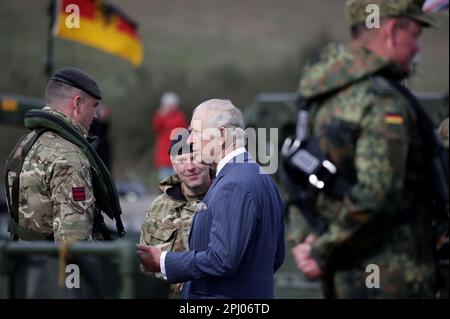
x: 305, y: 262
x: 300, y: 252
x: 310, y: 268
x: 311, y: 238
x: 149, y: 257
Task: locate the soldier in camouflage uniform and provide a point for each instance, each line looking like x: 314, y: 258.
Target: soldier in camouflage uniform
x: 168, y: 221
x: 369, y: 132
x: 56, y: 198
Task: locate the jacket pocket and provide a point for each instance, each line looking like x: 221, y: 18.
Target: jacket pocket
x: 163, y: 235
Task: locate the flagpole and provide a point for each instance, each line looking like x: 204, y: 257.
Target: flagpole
x: 48, y: 63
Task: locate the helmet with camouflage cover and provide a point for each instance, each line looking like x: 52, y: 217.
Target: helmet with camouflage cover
x: 359, y: 10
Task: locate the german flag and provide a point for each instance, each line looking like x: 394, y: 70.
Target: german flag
x: 393, y: 118
x: 99, y: 25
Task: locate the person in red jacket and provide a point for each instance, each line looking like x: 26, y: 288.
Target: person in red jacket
x: 167, y: 118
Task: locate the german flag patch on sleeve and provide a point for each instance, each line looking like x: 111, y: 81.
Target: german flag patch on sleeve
x: 78, y: 194
x: 393, y: 119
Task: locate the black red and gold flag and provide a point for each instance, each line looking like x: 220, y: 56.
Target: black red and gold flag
x: 99, y: 25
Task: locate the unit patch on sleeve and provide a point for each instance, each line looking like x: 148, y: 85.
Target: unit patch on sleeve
x: 78, y: 194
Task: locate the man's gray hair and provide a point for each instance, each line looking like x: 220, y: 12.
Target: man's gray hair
x: 222, y: 113
x: 57, y: 92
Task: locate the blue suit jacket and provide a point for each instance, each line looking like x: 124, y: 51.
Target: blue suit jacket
x: 236, y: 241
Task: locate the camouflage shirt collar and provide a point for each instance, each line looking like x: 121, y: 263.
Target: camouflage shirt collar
x: 339, y: 65
x: 68, y: 119
x: 172, y: 187
x: 169, y: 182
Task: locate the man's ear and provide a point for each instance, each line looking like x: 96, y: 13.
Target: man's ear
x: 223, y: 135
x: 76, y: 101
x: 389, y: 32
x: 172, y: 160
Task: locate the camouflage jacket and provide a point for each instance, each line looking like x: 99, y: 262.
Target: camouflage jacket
x: 368, y: 131
x: 56, y: 194
x: 168, y: 221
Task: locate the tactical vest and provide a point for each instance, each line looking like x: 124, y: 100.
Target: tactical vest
x: 103, y: 186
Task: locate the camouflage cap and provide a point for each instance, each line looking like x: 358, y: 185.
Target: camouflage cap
x: 358, y: 10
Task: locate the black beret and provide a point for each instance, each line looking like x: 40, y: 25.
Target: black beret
x: 179, y: 145
x: 79, y: 79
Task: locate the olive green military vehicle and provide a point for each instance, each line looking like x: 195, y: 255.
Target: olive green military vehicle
x: 279, y: 110
x: 14, y: 107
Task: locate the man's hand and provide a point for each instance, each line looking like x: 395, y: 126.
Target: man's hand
x: 149, y: 257
x: 304, y: 261
x: 311, y: 238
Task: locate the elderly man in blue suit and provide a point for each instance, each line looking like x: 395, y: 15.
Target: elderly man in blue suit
x: 236, y: 242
